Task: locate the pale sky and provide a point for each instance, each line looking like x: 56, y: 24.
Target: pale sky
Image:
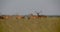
x: 23, y: 7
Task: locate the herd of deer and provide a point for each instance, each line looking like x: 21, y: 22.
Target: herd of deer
x: 22, y: 17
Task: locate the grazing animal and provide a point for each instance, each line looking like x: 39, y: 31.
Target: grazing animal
x: 37, y: 17
x: 34, y: 17
x: 7, y: 17
x: 19, y: 17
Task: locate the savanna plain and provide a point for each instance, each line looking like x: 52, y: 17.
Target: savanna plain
x: 49, y: 24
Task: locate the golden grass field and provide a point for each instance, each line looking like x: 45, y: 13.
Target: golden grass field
x: 50, y: 24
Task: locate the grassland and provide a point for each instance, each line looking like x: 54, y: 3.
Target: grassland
x: 50, y: 24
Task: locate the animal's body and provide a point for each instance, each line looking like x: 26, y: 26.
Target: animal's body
x: 19, y: 17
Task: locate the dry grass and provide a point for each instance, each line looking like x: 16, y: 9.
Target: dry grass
x: 50, y: 24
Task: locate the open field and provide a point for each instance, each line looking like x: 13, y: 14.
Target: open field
x: 50, y: 24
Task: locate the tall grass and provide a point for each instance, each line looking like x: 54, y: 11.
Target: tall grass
x: 50, y: 24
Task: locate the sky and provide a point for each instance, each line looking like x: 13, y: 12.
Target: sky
x: 24, y: 7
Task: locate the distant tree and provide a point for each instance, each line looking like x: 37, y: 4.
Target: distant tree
x: 38, y: 12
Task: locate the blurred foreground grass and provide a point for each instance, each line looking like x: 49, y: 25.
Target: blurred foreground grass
x: 50, y: 24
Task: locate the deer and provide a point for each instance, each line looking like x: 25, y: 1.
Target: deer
x: 40, y: 16
x: 19, y: 17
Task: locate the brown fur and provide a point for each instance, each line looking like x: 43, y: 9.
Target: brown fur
x: 36, y: 17
x: 7, y: 17
x: 19, y: 17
